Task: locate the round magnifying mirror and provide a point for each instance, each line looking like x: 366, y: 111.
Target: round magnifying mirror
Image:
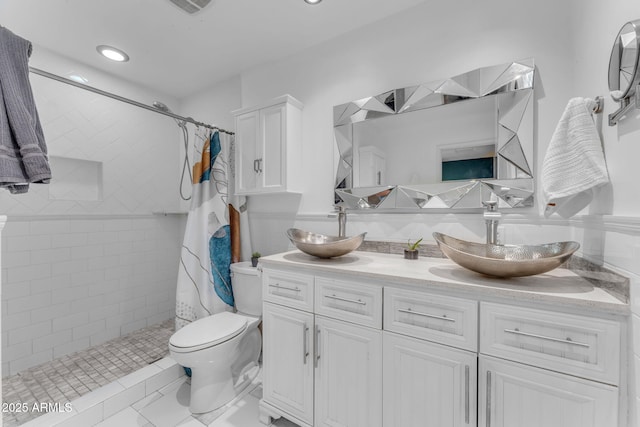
x: 623, y: 64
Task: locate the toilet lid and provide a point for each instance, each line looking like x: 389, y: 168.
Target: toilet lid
x: 209, y: 331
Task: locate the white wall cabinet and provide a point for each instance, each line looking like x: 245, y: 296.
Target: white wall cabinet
x: 268, y: 147
x: 444, y: 360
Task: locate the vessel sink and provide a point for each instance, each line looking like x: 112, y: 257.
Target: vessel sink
x: 323, y: 246
x: 505, y: 260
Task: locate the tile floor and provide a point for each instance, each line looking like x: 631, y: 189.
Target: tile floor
x: 69, y: 377
x: 169, y: 407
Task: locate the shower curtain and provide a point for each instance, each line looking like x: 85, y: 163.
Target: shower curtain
x: 204, y: 282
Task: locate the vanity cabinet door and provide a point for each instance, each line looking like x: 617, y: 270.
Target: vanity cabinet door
x: 515, y: 395
x: 288, y: 360
x: 428, y: 384
x: 348, y: 375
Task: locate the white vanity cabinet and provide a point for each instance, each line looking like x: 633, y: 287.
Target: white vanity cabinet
x: 428, y: 384
x: 518, y: 395
x: 364, y: 349
x: 542, y: 368
x: 268, y: 146
x: 322, y: 353
x: 288, y: 360
x: 348, y: 390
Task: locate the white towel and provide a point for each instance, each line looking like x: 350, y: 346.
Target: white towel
x: 574, y: 163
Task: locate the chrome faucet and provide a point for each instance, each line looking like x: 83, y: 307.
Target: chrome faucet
x: 492, y: 219
x: 342, y: 221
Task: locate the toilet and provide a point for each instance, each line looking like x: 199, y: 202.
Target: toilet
x: 222, y: 350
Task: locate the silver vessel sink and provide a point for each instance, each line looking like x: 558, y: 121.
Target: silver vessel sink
x: 323, y: 246
x: 505, y: 260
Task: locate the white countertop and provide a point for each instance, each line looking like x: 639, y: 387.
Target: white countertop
x: 557, y: 287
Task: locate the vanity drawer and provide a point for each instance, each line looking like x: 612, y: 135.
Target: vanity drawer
x: 355, y: 302
x: 290, y: 289
x: 443, y: 319
x: 577, y: 345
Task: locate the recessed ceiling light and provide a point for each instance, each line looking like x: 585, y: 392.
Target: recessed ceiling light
x: 112, y: 53
x: 312, y: 1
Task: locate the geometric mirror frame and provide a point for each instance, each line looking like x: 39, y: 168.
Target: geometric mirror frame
x: 512, y: 185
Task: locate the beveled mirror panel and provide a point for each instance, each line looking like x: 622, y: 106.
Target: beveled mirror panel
x: 623, y: 63
x: 447, y: 144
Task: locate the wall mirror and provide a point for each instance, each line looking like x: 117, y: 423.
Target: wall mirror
x: 624, y: 73
x: 449, y: 144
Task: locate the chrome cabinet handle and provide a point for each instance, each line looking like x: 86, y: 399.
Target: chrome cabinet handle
x: 567, y: 340
x: 277, y: 286
x: 305, y: 349
x: 255, y: 165
x: 379, y: 177
x: 417, y: 313
x: 466, y: 395
x: 317, y: 347
x: 345, y: 299
x: 488, y: 399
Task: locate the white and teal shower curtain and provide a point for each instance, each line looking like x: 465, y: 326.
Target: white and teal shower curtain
x: 204, y: 282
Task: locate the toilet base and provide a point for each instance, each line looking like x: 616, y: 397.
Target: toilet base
x: 211, y: 388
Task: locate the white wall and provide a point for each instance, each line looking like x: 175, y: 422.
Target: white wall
x: 76, y: 273
x: 422, y: 44
x: 596, y: 25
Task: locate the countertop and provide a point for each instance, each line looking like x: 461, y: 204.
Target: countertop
x: 557, y: 287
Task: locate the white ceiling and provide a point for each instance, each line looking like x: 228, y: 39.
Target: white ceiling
x: 178, y: 53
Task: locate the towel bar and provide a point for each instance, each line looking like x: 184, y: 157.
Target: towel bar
x: 599, y: 108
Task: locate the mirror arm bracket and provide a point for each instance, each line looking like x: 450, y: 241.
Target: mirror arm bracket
x: 626, y: 104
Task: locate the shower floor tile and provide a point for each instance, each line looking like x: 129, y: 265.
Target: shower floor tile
x: 69, y: 377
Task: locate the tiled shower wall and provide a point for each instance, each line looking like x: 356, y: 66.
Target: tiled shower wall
x: 78, y: 271
x: 73, y: 283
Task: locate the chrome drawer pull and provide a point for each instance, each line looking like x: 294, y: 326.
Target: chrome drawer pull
x: 346, y: 299
x: 567, y: 340
x: 466, y: 394
x: 305, y: 350
x: 316, y: 348
x: 488, y: 407
x: 417, y: 313
x: 277, y: 286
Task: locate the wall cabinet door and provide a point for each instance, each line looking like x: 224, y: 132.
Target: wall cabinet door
x: 427, y: 384
x: 515, y: 395
x: 348, y: 375
x: 271, y: 158
x: 247, y: 151
x: 288, y: 360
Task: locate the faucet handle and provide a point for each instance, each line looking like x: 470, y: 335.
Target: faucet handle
x: 491, y: 205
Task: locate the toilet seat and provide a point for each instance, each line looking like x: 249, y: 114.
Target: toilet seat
x: 208, y: 331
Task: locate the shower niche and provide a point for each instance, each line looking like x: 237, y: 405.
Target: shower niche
x: 75, y: 179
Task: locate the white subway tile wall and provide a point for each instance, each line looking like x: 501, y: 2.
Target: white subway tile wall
x: 71, y: 295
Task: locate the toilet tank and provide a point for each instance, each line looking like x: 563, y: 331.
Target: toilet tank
x: 247, y: 288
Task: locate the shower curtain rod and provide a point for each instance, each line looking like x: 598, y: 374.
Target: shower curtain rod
x: 123, y: 99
